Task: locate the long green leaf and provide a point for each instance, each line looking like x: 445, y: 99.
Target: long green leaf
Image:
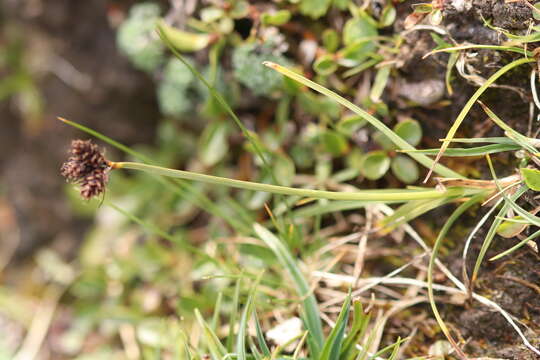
x: 358, y: 329
x: 409, y: 211
x: 332, y: 347
x: 474, y: 151
x: 394, y: 347
x: 182, y: 188
x: 219, y: 98
x: 156, y: 230
x: 485, y: 47
x: 217, y: 350
x: 515, y: 247
x: 491, y: 234
x: 465, y: 110
x: 373, y: 195
x: 242, y: 330
x: 260, y: 337
x: 311, y: 310
x: 234, y: 313
x: 398, y: 141
x: 438, y: 242
x: 513, y: 134
x: 495, y: 140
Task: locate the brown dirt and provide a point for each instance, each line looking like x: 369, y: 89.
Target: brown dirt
x: 119, y: 102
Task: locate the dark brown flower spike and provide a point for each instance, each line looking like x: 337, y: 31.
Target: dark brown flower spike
x: 87, y: 167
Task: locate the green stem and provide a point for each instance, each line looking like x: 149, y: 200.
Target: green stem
x: 379, y: 125
x: 465, y: 110
x: 438, y: 242
x: 367, y: 195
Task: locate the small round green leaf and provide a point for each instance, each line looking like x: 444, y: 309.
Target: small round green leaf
x: 303, y: 156
x: 325, y: 65
x: 183, y: 40
x: 509, y: 229
x: 436, y: 17
x: 225, y: 25
x: 405, y: 169
x: 359, y: 27
x: 277, y: 18
x: 383, y: 141
x: 349, y: 124
x: 240, y: 9
x: 284, y: 170
x: 531, y: 178
x: 354, y: 158
x: 211, y: 14
x: 388, y: 16
x: 334, y: 143
x: 375, y: 164
x: 422, y: 8
x: 357, y: 34
x: 330, y: 39
x: 535, y: 13
x: 410, y: 131
x: 213, y: 145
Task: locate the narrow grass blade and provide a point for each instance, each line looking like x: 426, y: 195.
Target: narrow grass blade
x: 395, y: 350
x: 234, y: 313
x: 494, y: 140
x: 394, y: 347
x: 331, y: 207
x: 154, y: 229
x: 438, y: 242
x: 311, y: 310
x: 369, y: 195
x: 181, y: 188
x: 187, y: 351
x: 246, y: 314
x: 491, y: 234
x: 486, y: 47
x: 476, y: 228
x: 219, y: 98
x: 368, y: 343
x: 260, y: 337
x: 409, y: 211
x: 397, y: 140
x: 217, y: 350
x: 358, y: 329
x: 217, y: 311
x: 332, y: 347
x: 255, y: 353
x: 452, y: 59
x: 515, y: 247
x: 475, y: 151
x: 516, y: 136
x: 381, y: 79
x: 300, y: 345
x: 363, y: 66
x: 469, y: 105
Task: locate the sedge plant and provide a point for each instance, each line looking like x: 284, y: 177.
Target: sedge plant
x: 88, y: 167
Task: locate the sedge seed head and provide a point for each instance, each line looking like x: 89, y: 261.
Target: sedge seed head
x: 87, y: 167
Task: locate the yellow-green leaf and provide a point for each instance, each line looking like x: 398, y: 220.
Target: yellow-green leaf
x: 531, y: 178
x: 183, y: 40
x: 325, y: 65
x: 405, y: 169
x: 509, y: 229
x: 375, y: 165
x: 410, y: 131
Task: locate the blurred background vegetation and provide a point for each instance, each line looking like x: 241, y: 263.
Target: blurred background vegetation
x: 124, y: 277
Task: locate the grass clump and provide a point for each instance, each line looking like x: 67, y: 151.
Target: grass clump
x: 302, y: 232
